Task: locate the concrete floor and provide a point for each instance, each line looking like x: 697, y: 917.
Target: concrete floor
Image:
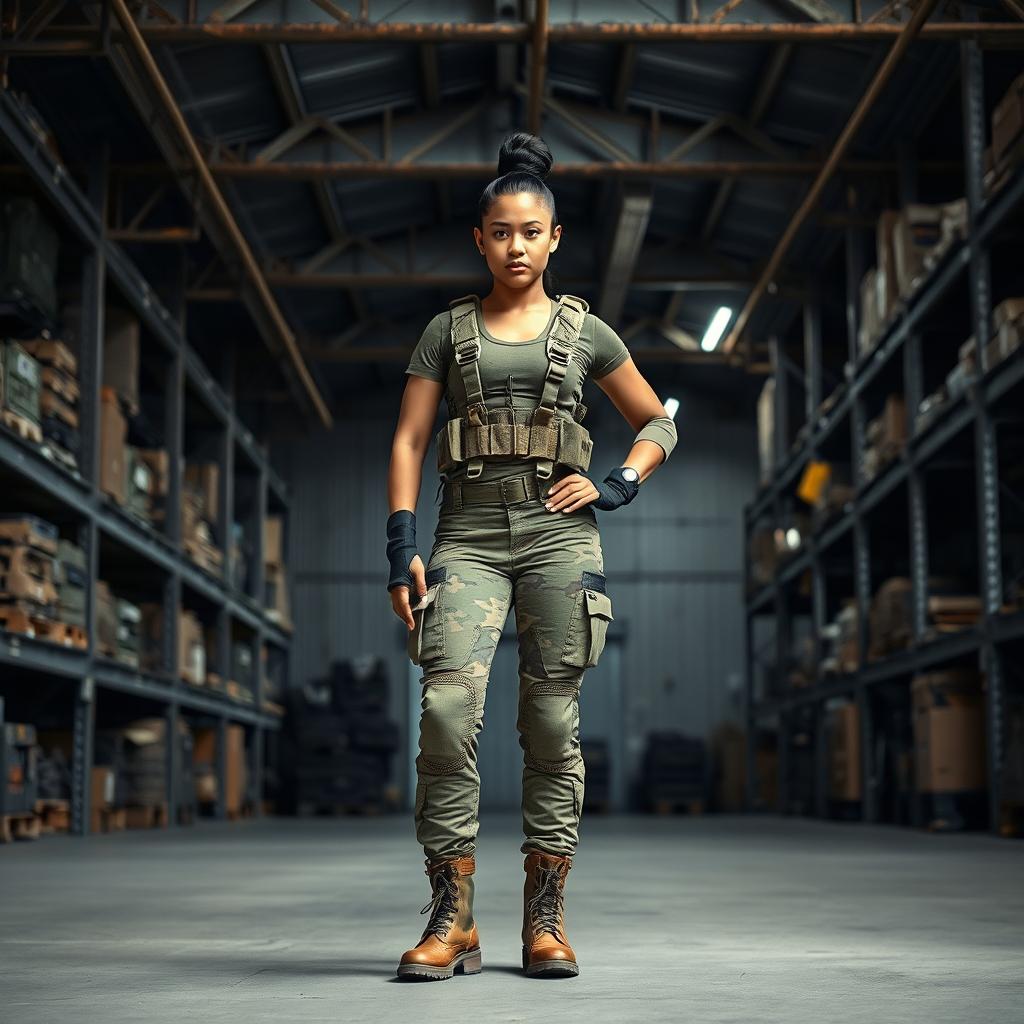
x: 682, y: 919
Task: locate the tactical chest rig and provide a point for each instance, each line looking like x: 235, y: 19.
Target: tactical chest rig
x: 542, y: 433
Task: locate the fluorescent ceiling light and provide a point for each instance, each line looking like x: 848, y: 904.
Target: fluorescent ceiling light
x: 713, y: 335
x: 671, y: 406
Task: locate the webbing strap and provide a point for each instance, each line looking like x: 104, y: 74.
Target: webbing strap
x: 466, y: 343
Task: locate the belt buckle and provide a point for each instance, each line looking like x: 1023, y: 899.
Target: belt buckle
x: 513, y: 491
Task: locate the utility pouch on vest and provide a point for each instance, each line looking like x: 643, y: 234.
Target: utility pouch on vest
x: 543, y: 433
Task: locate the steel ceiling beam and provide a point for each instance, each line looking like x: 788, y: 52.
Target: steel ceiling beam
x: 167, y: 105
x: 846, y: 136
x: 538, y: 64
x: 1008, y: 33
x: 314, y: 170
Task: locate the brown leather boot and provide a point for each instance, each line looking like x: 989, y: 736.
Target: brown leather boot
x: 546, y: 950
x: 450, y: 939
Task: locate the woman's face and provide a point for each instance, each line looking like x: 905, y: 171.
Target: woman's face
x: 517, y: 230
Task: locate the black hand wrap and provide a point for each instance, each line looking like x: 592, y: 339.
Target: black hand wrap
x: 401, y: 547
x: 615, y: 490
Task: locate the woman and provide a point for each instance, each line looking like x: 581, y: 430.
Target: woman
x: 516, y: 527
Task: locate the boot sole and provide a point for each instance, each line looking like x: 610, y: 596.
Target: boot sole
x: 469, y: 962
x: 552, y: 968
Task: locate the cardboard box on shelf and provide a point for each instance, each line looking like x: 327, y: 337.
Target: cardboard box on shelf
x: 151, y: 636
x: 949, y: 731
x: 26, y: 574
x: 137, y: 485
x: 204, y: 760
x: 729, y: 751
x: 52, y: 404
x: 106, y: 620
x: 885, y: 263
x: 113, y: 432
x: 53, y: 353
x: 20, y: 382
x: 890, y: 622
x: 766, y: 429
x: 158, y: 462
x: 203, y: 479
x: 121, y: 356
x: 235, y: 778
x: 273, y: 540
x: 276, y: 597
x: 1008, y: 120
x: 101, y: 793
x: 916, y: 231
x: 870, y: 325
x: 191, y: 648
x: 31, y: 530
x: 844, y: 752
x: 888, y: 431
x: 61, y: 384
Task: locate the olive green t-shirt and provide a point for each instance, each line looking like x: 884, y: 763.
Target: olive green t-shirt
x: 513, y: 372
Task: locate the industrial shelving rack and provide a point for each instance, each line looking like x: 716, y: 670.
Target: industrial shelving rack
x: 970, y: 423
x: 77, y: 496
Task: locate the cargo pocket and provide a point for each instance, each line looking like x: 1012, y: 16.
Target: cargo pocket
x: 426, y: 638
x: 588, y: 626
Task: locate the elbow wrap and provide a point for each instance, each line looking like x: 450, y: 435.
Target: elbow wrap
x: 662, y: 431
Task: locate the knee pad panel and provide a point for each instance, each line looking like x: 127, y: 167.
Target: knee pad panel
x: 549, y: 725
x: 450, y: 712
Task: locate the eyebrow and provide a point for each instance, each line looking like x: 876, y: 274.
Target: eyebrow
x: 505, y: 223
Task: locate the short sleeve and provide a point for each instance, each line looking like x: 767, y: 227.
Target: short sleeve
x: 610, y: 350
x: 426, y: 359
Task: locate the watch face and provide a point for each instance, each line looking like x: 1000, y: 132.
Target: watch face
x: 630, y: 474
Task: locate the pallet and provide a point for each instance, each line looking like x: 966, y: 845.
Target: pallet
x: 108, y: 819
x: 146, y: 815
x: 246, y: 810
x: 59, y: 456
x: 663, y: 807
x: 25, y: 429
x: 16, y: 618
x: 238, y: 692
x: 54, y: 815
x: 19, y: 826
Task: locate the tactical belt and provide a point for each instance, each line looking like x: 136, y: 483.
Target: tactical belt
x: 506, y: 491
x: 543, y: 433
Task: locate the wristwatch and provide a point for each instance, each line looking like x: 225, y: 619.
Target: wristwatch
x: 629, y: 473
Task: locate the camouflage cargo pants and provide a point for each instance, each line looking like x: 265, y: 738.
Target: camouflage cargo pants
x: 497, y: 546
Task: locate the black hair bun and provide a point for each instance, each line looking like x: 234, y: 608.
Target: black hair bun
x: 522, y: 151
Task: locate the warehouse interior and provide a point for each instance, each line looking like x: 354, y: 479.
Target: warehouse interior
x: 224, y: 224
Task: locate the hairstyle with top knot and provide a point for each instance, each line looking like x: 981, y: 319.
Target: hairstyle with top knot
x: 524, y: 160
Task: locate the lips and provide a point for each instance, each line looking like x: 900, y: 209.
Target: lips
x: 516, y: 266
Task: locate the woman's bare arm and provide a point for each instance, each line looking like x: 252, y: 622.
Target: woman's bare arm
x: 636, y: 401
x: 405, y: 470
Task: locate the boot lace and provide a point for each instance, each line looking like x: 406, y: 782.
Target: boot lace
x: 443, y: 905
x: 545, y: 906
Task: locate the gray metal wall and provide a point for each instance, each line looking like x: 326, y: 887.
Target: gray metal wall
x: 673, y: 558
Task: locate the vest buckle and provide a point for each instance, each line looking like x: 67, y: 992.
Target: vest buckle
x: 467, y: 350
x: 557, y: 355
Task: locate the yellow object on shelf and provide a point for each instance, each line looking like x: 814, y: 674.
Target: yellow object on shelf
x: 814, y: 481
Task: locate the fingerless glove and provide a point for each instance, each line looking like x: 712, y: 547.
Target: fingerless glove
x: 615, y: 490
x: 401, y: 547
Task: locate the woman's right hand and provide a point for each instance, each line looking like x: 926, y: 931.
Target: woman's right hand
x: 400, y: 594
